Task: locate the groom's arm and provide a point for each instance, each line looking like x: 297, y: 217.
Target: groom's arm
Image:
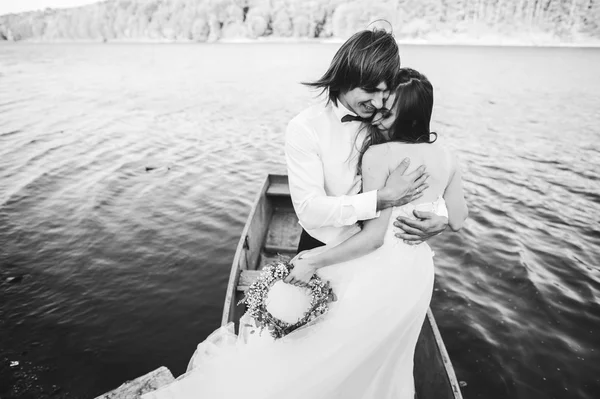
x: 315, y: 209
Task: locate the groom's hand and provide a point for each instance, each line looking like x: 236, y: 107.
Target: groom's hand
x: 427, y: 225
x: 401, y: 189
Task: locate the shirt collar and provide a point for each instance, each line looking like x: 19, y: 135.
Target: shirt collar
x: 340, y: 111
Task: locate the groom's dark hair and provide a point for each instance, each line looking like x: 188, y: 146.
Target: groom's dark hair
x: 365, y: 60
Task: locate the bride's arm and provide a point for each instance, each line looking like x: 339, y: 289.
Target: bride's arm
x: 366, y: 241
x: 374, y: 175
x: 455, y: 198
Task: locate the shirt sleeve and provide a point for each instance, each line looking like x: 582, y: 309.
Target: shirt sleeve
x: 315, y: 209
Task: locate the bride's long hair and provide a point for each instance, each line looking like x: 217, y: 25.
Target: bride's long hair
x: 413, y: 106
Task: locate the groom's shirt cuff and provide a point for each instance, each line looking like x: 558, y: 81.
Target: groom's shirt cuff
x: 359, y: 207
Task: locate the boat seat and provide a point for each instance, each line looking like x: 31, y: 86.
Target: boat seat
x: 284, y: 233
x: 278, y: 189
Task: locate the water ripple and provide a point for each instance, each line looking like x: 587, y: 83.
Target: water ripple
x: 123, y: 191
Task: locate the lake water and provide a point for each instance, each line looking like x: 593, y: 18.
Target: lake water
x: 127, y: 172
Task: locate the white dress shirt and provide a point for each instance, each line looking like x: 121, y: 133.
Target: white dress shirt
x: 322, y: 154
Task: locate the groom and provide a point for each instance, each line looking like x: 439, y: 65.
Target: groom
x: 322, y: 143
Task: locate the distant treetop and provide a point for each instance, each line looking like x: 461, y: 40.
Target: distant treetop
x: 212, y: 20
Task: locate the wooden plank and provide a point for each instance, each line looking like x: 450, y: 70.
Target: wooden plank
x: 274, y: 249
x: 279, y: 190
x: 247, y: 277
x: 257, y: 232
x: 270, y: 257
x: 278, y: 186
x: 284, y: 232
x: 136, y: 388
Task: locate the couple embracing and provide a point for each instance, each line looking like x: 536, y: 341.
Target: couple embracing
x: 370, y: 184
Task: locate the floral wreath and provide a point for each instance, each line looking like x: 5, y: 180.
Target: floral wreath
x: 256, y: 295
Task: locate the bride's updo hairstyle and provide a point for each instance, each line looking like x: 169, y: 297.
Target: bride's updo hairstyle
x: 413, y: 107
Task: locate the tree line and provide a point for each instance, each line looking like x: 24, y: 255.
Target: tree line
x: 213, y: 20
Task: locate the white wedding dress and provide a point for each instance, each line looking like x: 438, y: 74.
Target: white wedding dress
x: 362, y: 348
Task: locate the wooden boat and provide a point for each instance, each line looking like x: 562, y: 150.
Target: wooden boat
x: 272, y: 231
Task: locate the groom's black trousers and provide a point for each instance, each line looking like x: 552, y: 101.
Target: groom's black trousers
x: 308, y: 242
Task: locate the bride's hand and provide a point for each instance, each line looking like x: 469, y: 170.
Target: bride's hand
x: 302, y: 272
x: 300, y: 255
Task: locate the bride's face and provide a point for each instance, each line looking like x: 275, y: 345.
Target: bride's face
x: 384, y: 118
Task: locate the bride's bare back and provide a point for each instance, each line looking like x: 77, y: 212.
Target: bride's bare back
x: 444, y: 180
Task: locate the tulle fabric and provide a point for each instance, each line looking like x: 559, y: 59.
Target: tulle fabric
x: 362, y: 348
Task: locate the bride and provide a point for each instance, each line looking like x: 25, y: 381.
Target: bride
x: 363, y: 347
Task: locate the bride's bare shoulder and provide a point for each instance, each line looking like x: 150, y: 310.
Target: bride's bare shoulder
x: 378, y: 148
x: 375, y: 153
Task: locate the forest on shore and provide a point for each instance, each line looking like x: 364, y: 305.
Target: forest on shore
x: 529, y: 21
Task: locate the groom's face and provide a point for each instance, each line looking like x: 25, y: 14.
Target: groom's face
x: 365, y: 101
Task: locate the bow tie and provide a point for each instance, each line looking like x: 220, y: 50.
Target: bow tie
x: 350, y: 118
